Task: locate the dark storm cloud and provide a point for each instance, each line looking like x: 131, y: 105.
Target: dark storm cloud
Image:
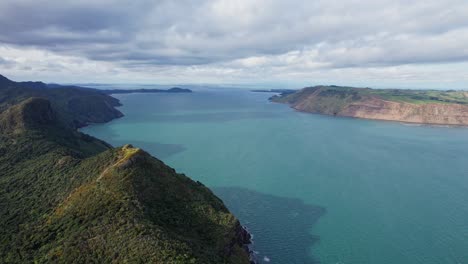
x: 195, y: 32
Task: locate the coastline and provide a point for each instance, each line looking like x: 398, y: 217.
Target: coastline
x: 409, y: 123
x: 243, y: 236
x: 429, y: 107
x: 370, y: 115
x: 381, y: 120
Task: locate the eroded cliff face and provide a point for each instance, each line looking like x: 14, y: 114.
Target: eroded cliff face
x: 355, y: 104
x: 442, y: 114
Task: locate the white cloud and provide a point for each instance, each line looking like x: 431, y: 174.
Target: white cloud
x: 397, y: 42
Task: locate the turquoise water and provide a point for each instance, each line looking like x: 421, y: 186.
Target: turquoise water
x: 312, y: 188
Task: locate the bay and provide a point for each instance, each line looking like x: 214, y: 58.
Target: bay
x: 312, y: 188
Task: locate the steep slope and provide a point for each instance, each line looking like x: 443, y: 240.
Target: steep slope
x: 75, y: 106
x: 413, y: 106
x: 66, y: 197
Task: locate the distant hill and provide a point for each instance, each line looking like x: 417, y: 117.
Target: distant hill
x: 171, y: 90
x: 75, y: 106
x: 106, y: 91
x: 67, y: 197
x: 414, y: 106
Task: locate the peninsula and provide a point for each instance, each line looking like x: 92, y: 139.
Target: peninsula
x: 75, y: 105
x: 67, y: 197
x: 413, y: 106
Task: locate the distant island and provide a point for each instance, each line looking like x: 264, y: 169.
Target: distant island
x: 67, y: 197
x: 126, y: 91
x: 413, y: 106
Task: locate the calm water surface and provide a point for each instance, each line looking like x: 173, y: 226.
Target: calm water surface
x: 311, y: 188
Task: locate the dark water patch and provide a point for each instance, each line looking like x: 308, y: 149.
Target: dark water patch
x: 276, y: 223
x: 159, y: 150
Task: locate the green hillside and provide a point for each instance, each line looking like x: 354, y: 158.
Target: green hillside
x: 66, y: 197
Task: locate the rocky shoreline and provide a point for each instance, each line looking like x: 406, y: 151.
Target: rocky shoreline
x: 248, y: 244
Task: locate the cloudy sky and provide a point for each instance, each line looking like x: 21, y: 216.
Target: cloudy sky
x: 379, y: 43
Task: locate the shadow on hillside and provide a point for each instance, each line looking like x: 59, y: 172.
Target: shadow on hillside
x: 280, y: 226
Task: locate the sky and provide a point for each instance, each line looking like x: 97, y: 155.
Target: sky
x: 277, y: 43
